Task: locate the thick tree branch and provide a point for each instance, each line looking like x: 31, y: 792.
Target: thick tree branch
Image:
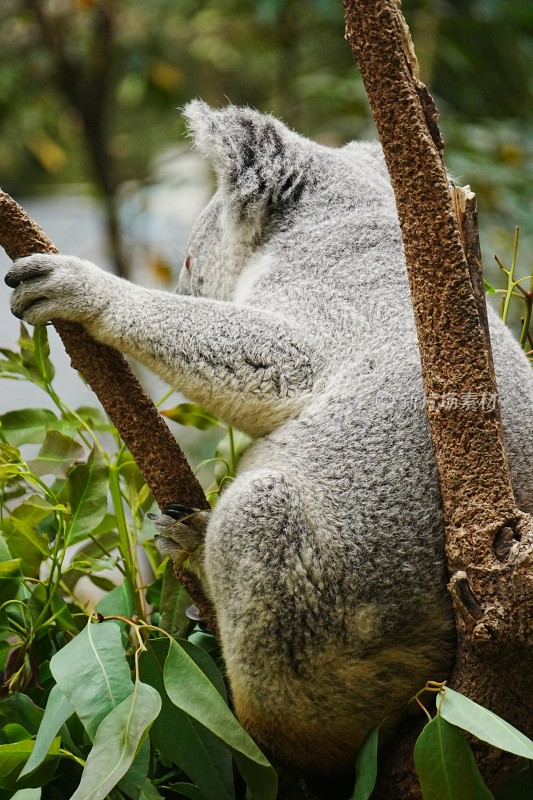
x: 494, y: 660
x: 142, y: 428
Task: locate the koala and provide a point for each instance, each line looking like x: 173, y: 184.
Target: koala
x: 293, y: 322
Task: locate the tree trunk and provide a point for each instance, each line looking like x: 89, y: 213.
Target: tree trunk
x: 491, y: 585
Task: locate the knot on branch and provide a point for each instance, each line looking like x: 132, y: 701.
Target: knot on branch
x: 503, y: 541
x: 465, y: 601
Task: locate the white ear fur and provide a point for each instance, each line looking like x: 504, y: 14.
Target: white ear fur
x: 257, y: 159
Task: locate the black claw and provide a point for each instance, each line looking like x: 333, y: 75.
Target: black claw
x: 11, y: 282
x: 177, y: 511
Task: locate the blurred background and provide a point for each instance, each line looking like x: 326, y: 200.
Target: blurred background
x: 92, y: 142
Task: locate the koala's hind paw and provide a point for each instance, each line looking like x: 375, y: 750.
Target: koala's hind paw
x: 180, y: 530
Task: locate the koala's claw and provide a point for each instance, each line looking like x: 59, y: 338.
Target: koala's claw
x: 180, y: 530
x: 180, y: 513
x: 26, y: 269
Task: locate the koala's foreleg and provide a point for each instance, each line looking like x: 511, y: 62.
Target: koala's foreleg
x: 245, y: 364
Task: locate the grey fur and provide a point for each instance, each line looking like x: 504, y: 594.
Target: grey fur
x: 324, y: 558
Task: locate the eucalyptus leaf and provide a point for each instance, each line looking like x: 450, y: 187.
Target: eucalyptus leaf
x: 20, y: 708
x: 15, y: 732
x: 366, y: 767
x: 118, y: 738
x: 86, y: 491
x: 445, y: 765
x: 58, y: 710
x: 518, y: 786
x: 27, y: 425
x: 188, y: 790
x: 12, y: 758
x: 132, y: 782
x: 28, y: 530
x: 479, y: 721
x: 27, y: 794
x: 11, y: 568
x: 88, y: 565
x: 56, y: 455
x: 173, y: 603
x: 190, y: 689
x: 149, y: 792
x: 93, y: 673
x: 29, y: 550
x: 42, y: 353
x: 192, y: 414
x: 182, y: 740
x: 118, y: 601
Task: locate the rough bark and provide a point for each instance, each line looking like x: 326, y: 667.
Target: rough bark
x: 141, y: 427
x: 489, y: 541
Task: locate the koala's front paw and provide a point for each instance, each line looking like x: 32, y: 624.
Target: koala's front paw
x: 50, y: 287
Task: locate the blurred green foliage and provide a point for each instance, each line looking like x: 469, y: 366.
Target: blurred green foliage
x: 91, y: 87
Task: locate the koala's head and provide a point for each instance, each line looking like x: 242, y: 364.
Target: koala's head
x: 261, y: 168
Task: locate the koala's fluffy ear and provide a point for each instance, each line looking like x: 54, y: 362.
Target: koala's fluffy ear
x: 259, y: 161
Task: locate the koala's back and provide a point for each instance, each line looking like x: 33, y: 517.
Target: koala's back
x: 340, y: 556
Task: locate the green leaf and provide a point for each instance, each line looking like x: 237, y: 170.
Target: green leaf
x: 58, y: 710
x: 27, y: 794
x: 192, y: 414
x: 191, y: 690
x: 487, y: 726
x: 182, y: 740
x: 88, y: 565
x: 19, y: 708
x: 173, y: 604
x: 42, y: 353
x: 13, y: 757
x: 27, y: 529
x: 35, y: 501
x: 11, y: 365
x: 86, y: 491
x: 205, y: 641
x: 10, y: 569
x: 133, y: 781
x: 118, y: 601
x: 27, y: 425
x: 445, y: 765
x: 10, y: 573
x: 118, y: 738
x: 488, y: 288
x: 366, y: 767
x: 188, y: 790
x: 518, y: 786
x: 31, y: 556
x: 15, y: 732
x: 30, y: 356
x: 56, y: 455
x: 92, y: 672
x: 95, y: 418
x: 61, y: 612
x: 149, y: 792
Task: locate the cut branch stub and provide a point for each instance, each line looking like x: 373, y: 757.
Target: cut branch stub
x: 140, y: 425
